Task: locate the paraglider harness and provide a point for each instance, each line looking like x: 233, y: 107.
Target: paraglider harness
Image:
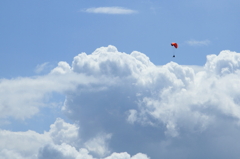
x: 175, y: 45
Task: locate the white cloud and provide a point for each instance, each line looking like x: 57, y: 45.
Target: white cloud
x: 99, y: 144
x: 22, y: 97
x: 140, y: 156
x: 110, y: 10
x: 135, y: 91
x: 125, y: 155
x: 124, y: 103
x: 59, y: 142
x: 225, y: 63
x: 21, y: 144
x: 198, y: 43
x: 63, y: 151
x: 27, y: 144
x: 62, y: 132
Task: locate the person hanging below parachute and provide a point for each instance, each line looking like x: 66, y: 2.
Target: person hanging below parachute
x: 174, y: 45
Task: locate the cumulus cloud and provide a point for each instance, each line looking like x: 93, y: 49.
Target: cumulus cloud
x: 63, y: 151
x: 225, y: 63
x: 57, y: 143
x: 198, y: 43
x: 59, y: 140
x: 21, y: 144
x: 62, y: 132
x: 125, y: 155
x: 110, y: 10
x: 98, y: 144
x: 123, y: 104
x: 137, y: 97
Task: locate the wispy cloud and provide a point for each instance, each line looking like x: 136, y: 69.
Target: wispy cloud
x: 110, y: 10
x: 198, y: 43
x: 41, y: 67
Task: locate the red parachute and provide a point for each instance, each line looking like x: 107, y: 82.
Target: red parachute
x: 176, y: 46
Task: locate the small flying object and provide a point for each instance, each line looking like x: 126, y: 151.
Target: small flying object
x: 174, y: 45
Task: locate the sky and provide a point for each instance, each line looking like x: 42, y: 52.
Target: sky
x: 97, y: 79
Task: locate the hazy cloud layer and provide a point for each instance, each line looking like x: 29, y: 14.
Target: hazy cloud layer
x: 123, y: 103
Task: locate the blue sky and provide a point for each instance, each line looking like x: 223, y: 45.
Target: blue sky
x: 35, y: 32
x: 75, y: 75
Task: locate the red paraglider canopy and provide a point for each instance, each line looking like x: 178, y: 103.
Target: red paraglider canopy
x: 175, y: 45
